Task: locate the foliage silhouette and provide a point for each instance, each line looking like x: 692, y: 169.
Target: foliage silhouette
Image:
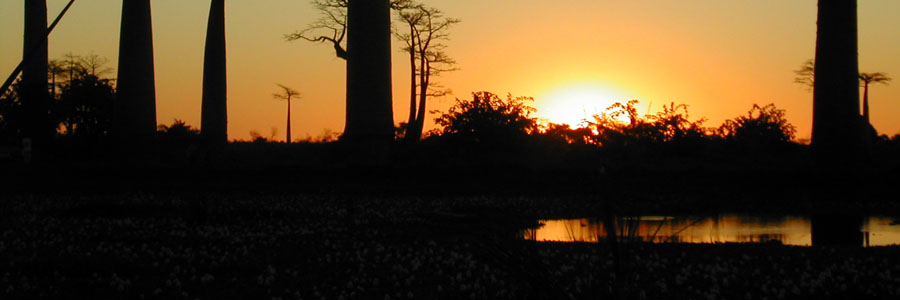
x: 668, y: 130
x: 806, y: 74
x: 763, y: 125
x: 81, y: 109
x: 488, y: 119
x: 179, y: 142
x: 85, y: 107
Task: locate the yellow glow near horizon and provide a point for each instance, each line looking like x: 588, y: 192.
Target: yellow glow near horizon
x: 718, y: 57
x: 573, y: 103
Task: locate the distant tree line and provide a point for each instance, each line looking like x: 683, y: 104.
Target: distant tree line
x: 489, y: 122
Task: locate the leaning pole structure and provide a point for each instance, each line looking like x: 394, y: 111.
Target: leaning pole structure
x: 214, y: 111
x: 134, y: 120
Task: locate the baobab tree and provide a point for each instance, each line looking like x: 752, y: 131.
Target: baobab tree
x: 287, y: 93
x: 135, y: 107
x: 35, y: 93
x: 364, y: 25
x: 836, y: 135
x: 214, y: 114
x: 427, y: 29
x: 866, y: 79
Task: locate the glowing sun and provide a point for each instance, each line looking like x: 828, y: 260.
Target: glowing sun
x: 572, y: 104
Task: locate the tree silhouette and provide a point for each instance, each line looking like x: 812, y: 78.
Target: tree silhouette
x: 214, y: 115
x: 34, y: 89
x: 369, y: 115
x: 762, y: 126
x: 331, y: 27
x: 135, y: 106
x: 488, y: 120
x: 287, y: 94
x: 836, y: 136
x: 806, y: 75
x: 866, y: 79
x: 84, y: 108
x: 427, y: 27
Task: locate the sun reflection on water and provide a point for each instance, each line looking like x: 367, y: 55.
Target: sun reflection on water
x: 788, y: 230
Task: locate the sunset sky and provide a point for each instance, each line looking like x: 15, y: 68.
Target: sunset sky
x: 575, y: 57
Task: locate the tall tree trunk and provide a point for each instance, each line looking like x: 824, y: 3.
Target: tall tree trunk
x: 866, y: 103
x: 370, y: 116
x: 35, y: 97
x: 214, y: 115
x: 135, y: 107
x: 288, y: 138
x: 837, y: 138
x: 412, y: 81
x: 423, y: 100
x: 415, y: 131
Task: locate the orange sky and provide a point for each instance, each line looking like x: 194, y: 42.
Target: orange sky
x: 719, y: 57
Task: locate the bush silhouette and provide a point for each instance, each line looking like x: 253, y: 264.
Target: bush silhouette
x: 488, y: 119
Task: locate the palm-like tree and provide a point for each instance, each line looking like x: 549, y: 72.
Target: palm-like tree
x: 866, y: 79
x: 286, y: 94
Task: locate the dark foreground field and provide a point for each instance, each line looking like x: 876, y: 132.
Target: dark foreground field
x: 274, y: 245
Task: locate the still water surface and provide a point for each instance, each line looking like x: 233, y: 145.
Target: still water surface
x: 789, y: 230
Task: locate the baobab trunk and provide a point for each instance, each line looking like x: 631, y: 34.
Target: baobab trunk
x: 837, y: 138
x: 35, y: 96
x: 135, y: 107
x: 214, y: 115
x: 287, y: 138
x: 370, y: 116
x: 412, y: 84
x: 866, y: 104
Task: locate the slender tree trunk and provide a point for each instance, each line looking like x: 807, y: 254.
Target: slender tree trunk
x: 35, y: 98
x: 866, y: 103
x: 135, y: 107
x: 412, y: 82
x: 214, y: 116
x: 423, y: 101
x: 415, y: 131
x: 288, y: 138
x: 837, y: 138
x: 369, y: 110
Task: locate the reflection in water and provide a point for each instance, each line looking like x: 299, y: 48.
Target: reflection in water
x: 789, y: 230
